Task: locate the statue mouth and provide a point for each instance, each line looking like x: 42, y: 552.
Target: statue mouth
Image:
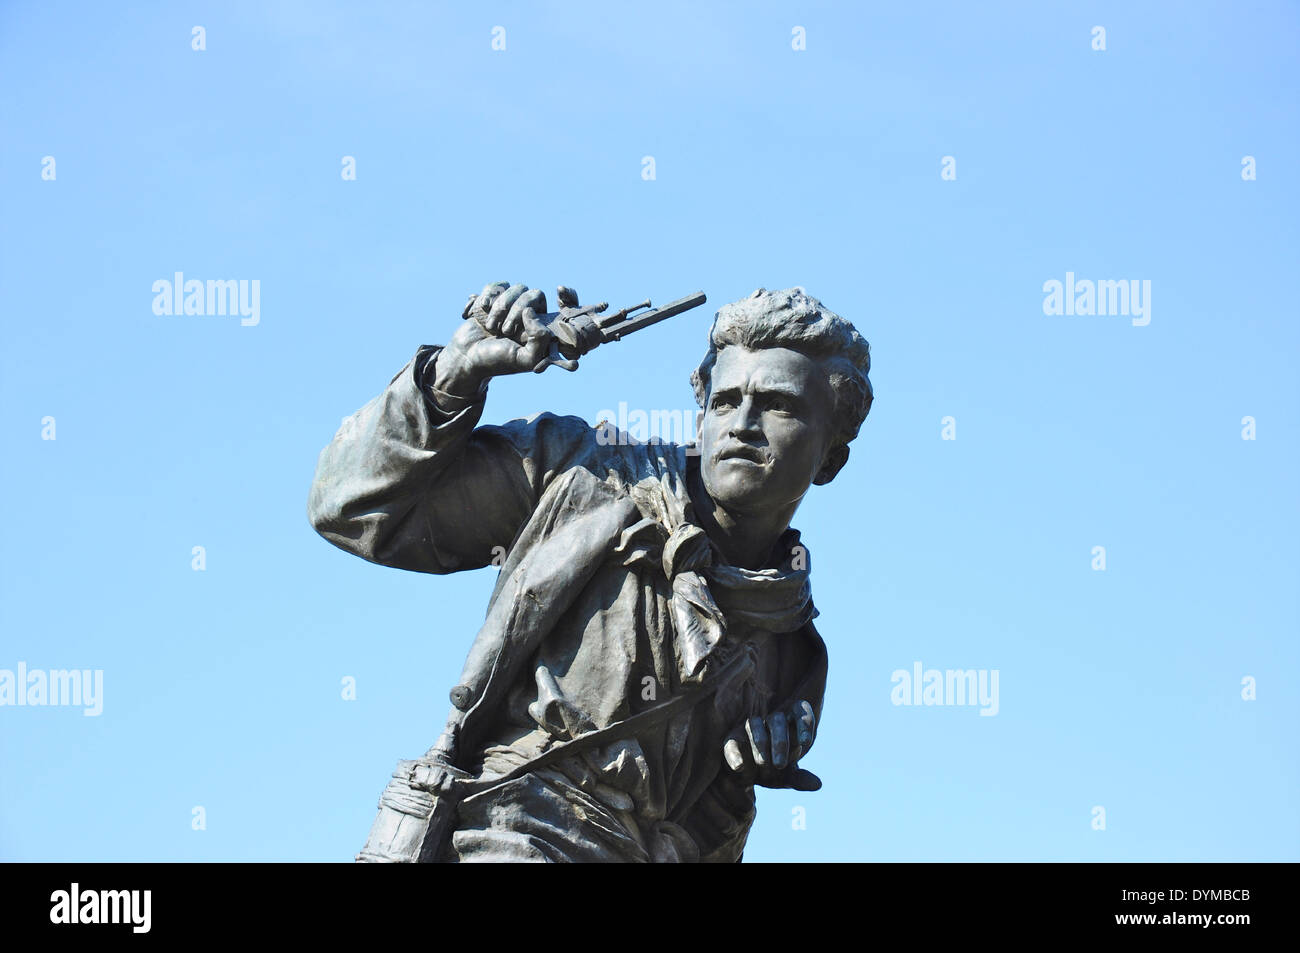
x: 744, y: 452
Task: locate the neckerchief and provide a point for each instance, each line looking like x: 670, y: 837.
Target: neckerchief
x: 710, y: 596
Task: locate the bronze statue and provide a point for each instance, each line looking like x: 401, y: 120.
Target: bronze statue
x: 648, y: 656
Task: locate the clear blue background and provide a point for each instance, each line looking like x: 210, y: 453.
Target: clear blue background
x: 775, y: 168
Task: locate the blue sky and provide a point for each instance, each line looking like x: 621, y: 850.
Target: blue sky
x: 774, y: 167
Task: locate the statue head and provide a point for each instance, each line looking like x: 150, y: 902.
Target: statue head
x: 784, y: 389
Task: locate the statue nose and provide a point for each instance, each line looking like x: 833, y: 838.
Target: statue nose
x: 745, y: 421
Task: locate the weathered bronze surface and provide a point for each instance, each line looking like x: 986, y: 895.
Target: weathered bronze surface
x: 649, y: 655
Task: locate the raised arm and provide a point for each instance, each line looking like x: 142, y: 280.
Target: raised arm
x: 409, y: 482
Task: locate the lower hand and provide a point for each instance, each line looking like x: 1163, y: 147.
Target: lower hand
x: 766, y: 750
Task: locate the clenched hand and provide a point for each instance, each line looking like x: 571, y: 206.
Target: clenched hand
x: 501, y: 335
x: 766, y: 751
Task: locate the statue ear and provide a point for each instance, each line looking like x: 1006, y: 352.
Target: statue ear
x: 832, y: 465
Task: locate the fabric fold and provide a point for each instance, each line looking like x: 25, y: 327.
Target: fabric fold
x: 708, y: 594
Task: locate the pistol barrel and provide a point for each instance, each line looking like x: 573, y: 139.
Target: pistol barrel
x: 621, y: 329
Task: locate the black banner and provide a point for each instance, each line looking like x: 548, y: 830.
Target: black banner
x: 210, y: 901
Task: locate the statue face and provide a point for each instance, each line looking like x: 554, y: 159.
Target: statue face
x: 766, y: 429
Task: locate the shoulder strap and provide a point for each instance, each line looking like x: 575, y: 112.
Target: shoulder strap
x: 737, y: 667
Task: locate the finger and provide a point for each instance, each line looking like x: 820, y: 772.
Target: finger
x: 803, y: 780
x: 759, y: 744
x: 779, y: 735
x: 534, y: 330
x: 566, y: 297
x: 501, y: 307
x: 797, y: 748
x: 536, y: 351
x: 483, y: 302
x: 469, y: 306
x: 736, y: 753
x: 731, y: 753
x: 554, y: 360
x: 805, y: 721
x: 514, y: 321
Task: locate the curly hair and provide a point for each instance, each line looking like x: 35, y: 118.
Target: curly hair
x: 795, y: 320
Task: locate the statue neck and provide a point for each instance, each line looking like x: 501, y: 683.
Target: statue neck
x: 744, y: 539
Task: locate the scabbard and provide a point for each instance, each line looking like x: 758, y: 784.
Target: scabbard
x: 412, y: 824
